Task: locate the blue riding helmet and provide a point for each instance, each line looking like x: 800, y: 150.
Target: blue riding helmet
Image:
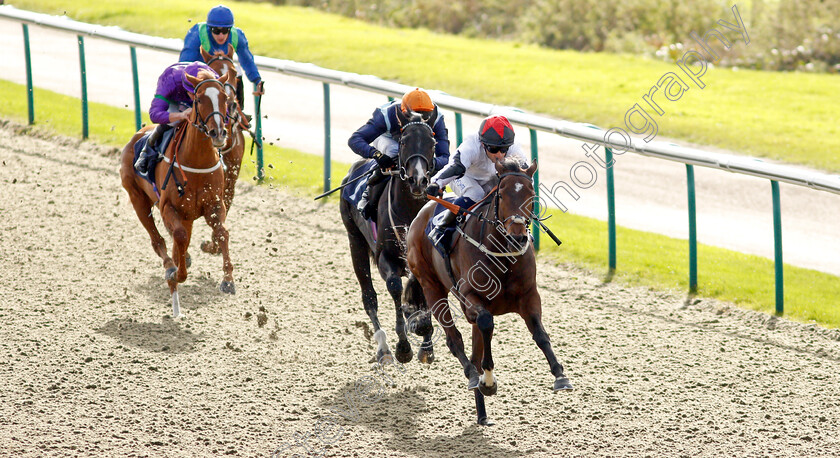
x: 220, y: 16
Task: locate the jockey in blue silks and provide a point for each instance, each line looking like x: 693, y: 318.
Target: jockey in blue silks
x: 172, y: 104
x: 214, y: 36
x: 379, y: 139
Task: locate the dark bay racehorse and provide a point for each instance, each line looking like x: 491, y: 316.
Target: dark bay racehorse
x: 197, y: 168
x: 234, y: 149
x: 403, y: 198
x: 493, y: 272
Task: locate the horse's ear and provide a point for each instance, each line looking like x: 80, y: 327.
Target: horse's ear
x: 193, y: 80
x: 205, y: 55
x: 532, y: 169
x: 499, y: 168
x: 230, y: 51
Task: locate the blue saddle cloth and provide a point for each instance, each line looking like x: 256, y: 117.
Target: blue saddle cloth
x: 441, y: 240
x: 353, y: 192
x: 152, y: 161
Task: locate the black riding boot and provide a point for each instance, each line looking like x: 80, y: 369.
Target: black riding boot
x: 370, y: 196
x: 240, y: 92
x: 150, y: 149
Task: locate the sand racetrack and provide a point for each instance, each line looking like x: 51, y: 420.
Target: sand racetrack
x: 92, y: 365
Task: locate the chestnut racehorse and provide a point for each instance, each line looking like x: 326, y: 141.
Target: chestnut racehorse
x: 493, y: 272
x: 234, y: 149
x: 195, y: 188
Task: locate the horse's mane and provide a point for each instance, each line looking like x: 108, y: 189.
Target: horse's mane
x: 205, y: 75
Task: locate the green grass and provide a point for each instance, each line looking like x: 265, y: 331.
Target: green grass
x: 643, y: 258
x: 785, y: 116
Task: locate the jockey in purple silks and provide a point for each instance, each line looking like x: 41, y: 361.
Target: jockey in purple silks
x: 214, y: 36
x: 171, y: 105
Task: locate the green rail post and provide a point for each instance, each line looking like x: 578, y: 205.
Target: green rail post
x: 326, y: 137
x: 390, y: 99
x: 692, y: 230
x: 258, y: 137
x: 777, y: 233
x: 136, y: 81
x: 611, y: 208
x: 535, y: 226
x: 30, y: 100
x: 459, y: 130
x: 84, y: 86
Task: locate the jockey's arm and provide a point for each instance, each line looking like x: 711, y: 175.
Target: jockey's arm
x: 361, y: 139
x: 246, y: 59
x: 442, y: 145
x: 453, y: 170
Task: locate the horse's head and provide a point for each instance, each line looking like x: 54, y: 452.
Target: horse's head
x: 515, y: 199
x: 210, y: 106
x: 417, y: 155
x: 222, y: 64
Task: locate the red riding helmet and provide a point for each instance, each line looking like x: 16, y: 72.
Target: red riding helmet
x: 496, y: 131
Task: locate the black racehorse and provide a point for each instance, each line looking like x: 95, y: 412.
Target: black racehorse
x: 402, y: 198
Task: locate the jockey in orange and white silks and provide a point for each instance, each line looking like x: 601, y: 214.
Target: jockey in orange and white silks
x: 471, y: 171
x: 379, y: 138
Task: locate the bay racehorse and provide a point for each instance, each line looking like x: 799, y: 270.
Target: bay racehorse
x: 492, y: 271
x: 384, y: 241
x: 192, y: 156
x: 234, y: 149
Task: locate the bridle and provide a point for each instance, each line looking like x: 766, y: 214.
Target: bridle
x: 499, y: 225
x: 200, y: 122
x: 403, y: 171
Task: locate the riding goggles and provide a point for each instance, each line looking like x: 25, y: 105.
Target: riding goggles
x: 496, y: 149
x: 220, y: 30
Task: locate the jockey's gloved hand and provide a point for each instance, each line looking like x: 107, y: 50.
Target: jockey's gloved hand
x: 383, y: 160
x: 433, y: 190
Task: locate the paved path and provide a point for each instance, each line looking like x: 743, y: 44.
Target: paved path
x: 733, y: 211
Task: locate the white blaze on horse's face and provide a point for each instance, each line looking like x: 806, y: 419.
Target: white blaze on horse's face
x: 518, y: 187
x: 418, y: 169
x: 213, y: 93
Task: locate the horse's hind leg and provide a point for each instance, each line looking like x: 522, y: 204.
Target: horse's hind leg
x: 533, y: 319
x: 418, y: 318
x: 360, y: 255
x: 388, y: 268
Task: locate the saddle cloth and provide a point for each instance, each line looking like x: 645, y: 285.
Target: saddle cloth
x: 152, y: 161
x: 353, y: 192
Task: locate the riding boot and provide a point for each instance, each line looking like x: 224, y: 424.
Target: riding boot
x: 150, y: 149
x: 449, y: 218
x: 240, y: 92
x: 370, y: 196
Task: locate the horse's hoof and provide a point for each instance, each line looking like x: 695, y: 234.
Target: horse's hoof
x: 227, y: 287
x: 170, y: 274
x: 473, y: 383
x: 562, y: 384
x: 209, y: 247
x: 488, y: 390
x: 404, y: 353
x: 484, y: 421
x: 384, y: 357
x: 426, y: 357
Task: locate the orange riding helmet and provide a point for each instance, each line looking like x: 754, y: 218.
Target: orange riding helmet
x: 418, y: 102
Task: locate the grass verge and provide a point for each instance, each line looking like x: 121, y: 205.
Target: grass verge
x: 643, y: 258
x: 777, y: 115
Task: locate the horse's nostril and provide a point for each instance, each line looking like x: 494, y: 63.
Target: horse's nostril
x: 424, y: 182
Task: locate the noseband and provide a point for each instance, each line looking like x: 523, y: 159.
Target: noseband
x: 403, y: 171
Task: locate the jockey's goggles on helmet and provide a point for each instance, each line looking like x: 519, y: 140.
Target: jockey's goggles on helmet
x: 496, y: 149
x: 220, y: 30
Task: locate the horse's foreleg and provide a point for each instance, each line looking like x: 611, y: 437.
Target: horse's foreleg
x: 393, y: 281
x: 533, y: 319
x: 215, y: 219
x: 181, y: 231
x: 484, y: 326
